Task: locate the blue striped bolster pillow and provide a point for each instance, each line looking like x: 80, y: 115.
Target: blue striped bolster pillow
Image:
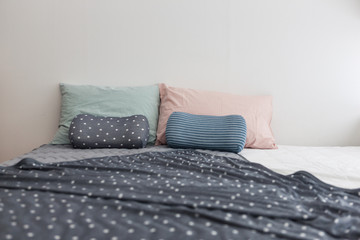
x: 222, y: 133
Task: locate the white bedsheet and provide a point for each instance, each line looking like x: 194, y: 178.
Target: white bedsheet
x: 339, y: 166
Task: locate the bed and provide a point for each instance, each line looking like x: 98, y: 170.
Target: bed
x: 57, y: 192
x: 337, y: 166
x: 161, y: 192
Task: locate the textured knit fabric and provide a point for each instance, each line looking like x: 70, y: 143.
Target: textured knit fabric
x: 223, y: 133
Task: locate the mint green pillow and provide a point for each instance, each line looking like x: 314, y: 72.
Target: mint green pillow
x: 107, y: 102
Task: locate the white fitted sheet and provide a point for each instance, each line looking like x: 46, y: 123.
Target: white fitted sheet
x: 339, y: 166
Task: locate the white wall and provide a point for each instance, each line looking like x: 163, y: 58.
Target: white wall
x: 306, y: 53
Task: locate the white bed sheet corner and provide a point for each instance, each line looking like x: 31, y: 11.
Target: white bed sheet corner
x: 339, y: 166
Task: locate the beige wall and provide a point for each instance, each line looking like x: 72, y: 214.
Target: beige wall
x: 306, y: 53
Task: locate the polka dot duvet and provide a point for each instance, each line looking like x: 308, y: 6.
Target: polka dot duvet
x: 176, y: 194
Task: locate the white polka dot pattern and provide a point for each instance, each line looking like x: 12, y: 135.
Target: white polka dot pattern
x: 89, y: 131
x: 181, y: 194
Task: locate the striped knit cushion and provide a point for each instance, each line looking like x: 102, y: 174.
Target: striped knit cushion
x: 222, y: 133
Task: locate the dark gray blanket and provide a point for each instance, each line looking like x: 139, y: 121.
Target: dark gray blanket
x: 179, y: 194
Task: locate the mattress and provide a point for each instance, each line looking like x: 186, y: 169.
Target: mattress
x: 339, y: 166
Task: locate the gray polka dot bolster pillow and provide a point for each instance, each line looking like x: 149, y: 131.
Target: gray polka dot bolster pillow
x: 89, y: 131
x: 222, y: 133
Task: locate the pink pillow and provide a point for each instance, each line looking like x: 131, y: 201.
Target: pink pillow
x: 257, y: 111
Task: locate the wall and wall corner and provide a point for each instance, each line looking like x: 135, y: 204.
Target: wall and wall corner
x: 306, y: 53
